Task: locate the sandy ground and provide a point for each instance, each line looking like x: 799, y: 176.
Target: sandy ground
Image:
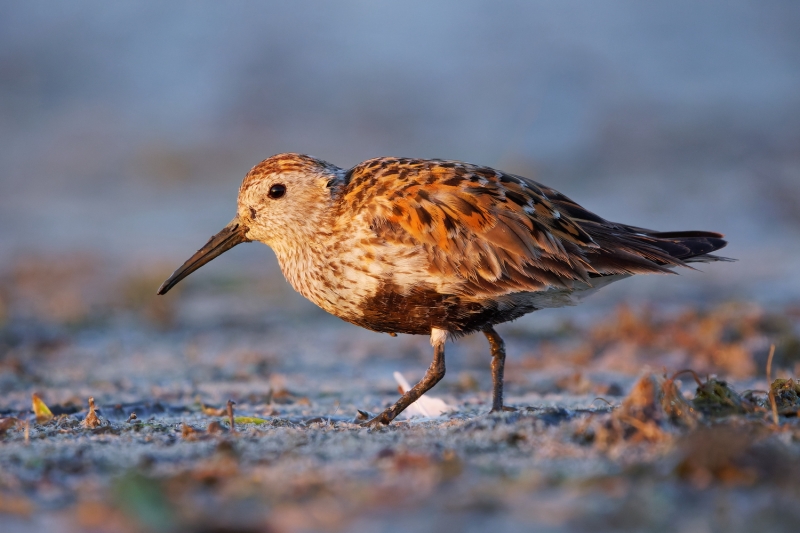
x: 586, y: 449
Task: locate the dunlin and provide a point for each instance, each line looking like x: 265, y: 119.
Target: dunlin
x: 433, y: 247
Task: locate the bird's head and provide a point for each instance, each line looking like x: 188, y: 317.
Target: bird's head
x: 282, y: 201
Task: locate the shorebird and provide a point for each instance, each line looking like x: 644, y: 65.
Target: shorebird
x: 435, y: 247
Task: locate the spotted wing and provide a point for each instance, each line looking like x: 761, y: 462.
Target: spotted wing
x: 496, y: 232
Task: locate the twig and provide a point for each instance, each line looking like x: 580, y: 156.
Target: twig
x: 769, y: 384
x: 689, y: 371
x: 769, y: 363
x: 774, y: 408
x: 231, y: 403
x: 602, y: 400
x: 334, y: 413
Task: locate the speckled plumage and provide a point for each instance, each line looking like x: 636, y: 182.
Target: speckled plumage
x: 436, y: 247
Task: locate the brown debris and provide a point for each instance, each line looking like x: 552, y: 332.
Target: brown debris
x: 214, y: 428
x: 653, y: 409
x: 640, y: 417
x: 6, y: 424
x: 188, y: 432
x: 715, y: 398
x: 786, y: 396
x: 212, y: 411
x: 92, y: 420
x: 680, y: 411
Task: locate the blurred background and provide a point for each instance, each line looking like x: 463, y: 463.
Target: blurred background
x: 127, y: 127
x: 125, y: 131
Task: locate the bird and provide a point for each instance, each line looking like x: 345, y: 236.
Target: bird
x: 436, y: 247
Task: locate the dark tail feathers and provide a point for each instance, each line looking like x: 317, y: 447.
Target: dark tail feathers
x: 688, y: 246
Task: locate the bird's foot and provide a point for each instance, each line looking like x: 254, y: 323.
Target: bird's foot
x: 363, y: 419
x: 376, y: 423
x: 503, y: 409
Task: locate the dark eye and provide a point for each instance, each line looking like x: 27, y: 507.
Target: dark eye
x: 277, y: 190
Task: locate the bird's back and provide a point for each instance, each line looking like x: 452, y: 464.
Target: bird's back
x: 457, y: 246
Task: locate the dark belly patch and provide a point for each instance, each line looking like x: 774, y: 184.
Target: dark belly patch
x: 423, y: 308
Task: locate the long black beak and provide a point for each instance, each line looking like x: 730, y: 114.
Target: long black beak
x: 233, y: 234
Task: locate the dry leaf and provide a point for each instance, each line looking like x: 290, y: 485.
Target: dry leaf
x: 212, y: 411
x: 40, y: 409
x: 249, y: 420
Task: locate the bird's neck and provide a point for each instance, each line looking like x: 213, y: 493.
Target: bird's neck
x: 304, y: 257
x: 301, y: 264
x: 329, y: 267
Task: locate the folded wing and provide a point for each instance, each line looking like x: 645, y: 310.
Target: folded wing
x: 500, y: 233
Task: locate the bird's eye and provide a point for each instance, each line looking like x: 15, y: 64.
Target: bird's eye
x: 277, y: 190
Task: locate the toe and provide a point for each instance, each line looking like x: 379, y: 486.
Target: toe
x: 504, y: 409
x: 375, y: 423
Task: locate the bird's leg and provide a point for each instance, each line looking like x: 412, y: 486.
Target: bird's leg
x: 498, y: 348
x: 433, y: 376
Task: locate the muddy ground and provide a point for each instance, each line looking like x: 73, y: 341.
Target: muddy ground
x: 604, y: 437
x: 126, y: 129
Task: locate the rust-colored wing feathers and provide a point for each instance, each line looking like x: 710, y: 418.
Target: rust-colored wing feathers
x: 502, y: 233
